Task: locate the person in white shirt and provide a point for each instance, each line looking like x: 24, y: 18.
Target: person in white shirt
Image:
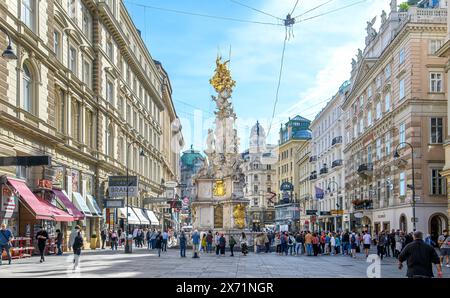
x: 333, y: 244
x: 367, y: 240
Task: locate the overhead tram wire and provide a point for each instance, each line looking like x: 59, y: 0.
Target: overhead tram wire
x: 312, y: 9
x: 202, y: 15
x: 295, y: 6
x: 255, y: 9
x: 331, y: 11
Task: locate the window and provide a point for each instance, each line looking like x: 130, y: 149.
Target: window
x: 387, y: 142
x: 71, y: 9
x: 28, y: 93
x: 387, y: 71
x: 402, y: 184
x: 76, y: 123
x: 129, y: 114
x: 269, y: 178
x: 255, y: 188
x: 88, y: 127
x: 57, y: 44
x: 402, y: 135
x: 73, y: 60
x: 110, y: 50
x: 369, y: 92
x: 361, y: 126
x: 27, y: 15
x: 369, y: 118
x: 60, y: 108
x: 387, y: 102
x: 437, y: 132
x: 435, y: 82
x: 437, y: 183
x: 369, y: 154
x: 378, y: 110
x: 378, y: 82
x: 361, y: 101
x: 434, y: 45
x: 401, y: 87
x: 110, y: 92
x: 378, y: 149
x: 401, y: 56
x: 86, y: 22
x: 87, y: 73
x: 355, y: 130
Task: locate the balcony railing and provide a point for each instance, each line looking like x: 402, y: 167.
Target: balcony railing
x: 313, y: 158
x: 363, y: 205
x: 323, y: 170
x: 366, y: 169
x: 336, y: 140
x: 337, y: 163
x: 313, y: 177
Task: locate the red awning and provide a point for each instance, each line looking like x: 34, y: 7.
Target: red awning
x: 70, y: 207
x: 33, y: 204
x: 58, y: 214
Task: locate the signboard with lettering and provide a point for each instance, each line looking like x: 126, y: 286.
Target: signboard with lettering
x: 118, y: 186
x: 287, y: 186
x: 325, y: 213
x: 9, y: 203
x: 311, y: 212
x: 113, y: 204
x: 45, y: 184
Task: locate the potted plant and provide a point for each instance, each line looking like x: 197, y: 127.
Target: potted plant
x: 403, y: 7
x: 93, y: 241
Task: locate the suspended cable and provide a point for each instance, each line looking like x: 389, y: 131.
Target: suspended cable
x: 312, y: 9
x: 278, y: 87
x: 252, y: 8
x: 295, y: 6
x: 331, y: 11
x: 203, y: 15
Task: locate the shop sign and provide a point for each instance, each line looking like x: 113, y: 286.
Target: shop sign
x: 293, y: 209
x: 170, y: 184
x: 346, y: 217
x: 381, y: 215
x: 9, y: 203
x: 415, y: 219
x: 325, y: 213
x: 311, y: 212
x: 45, y: 184
x: 118, y: 186
x: 287, y: 186
x: 337, y: 212
x: 170, y: 193
x: 112, y: 204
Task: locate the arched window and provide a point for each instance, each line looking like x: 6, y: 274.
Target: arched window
x: 28, y: 93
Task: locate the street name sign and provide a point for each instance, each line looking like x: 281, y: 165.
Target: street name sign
x: 113, y: 204
x: 118, y: 186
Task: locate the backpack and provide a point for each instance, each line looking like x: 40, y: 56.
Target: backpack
x: 78, y: 243
x: 353, y: 239
x: 232, y: 241
x: 290, y: 240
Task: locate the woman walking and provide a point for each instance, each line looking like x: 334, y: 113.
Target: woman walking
x: 244, y: 244
x: 158, y: 243
x: 315, y: 244
x: 113, y: 238
x: 278, y: 243
x: 204, y: 244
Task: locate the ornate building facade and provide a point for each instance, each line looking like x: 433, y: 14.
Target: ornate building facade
x: 86, y: 91
x: 397, y: 101
x: 327, y: 160
x: 260, y: 180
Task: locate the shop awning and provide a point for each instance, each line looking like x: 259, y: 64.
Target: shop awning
x: 93, y: 206
x: 81, y: 204
x: 152, y: 217
x: 132, y: 218
x: 58, y: 214
x: 70, y: 207
x: 140, y: 214
x: 31, y: 202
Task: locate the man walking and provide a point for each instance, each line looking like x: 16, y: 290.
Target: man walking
x: 5, y: 242
x: 195, y: 243
x: 367, y: 240
x: 165, y: 237
x: 183, y: 241
x: 419, y: 257
x: 209, y: 241
x: 76, y: 242
x: 42, y: 237
x: 308, y: 242
x: 103, y: 236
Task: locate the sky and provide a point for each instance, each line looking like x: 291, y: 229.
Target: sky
x: 317, y: 58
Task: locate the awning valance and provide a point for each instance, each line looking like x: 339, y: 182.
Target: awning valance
x: 152, y: 217
x: 140, y: 214
x: 132, y: 218
x: 26, y: 197
x: 70, y: 207
x: 93, y: 206
x: 81, y: 204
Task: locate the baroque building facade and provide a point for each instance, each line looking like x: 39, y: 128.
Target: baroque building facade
x: 86, y: 91
x: 260, y: 180
x: 397, y: 100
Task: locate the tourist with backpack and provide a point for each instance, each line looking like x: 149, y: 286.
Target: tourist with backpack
x: 76, y: 242
x: 209, y: 241
x: 353, y: 245
x: 291, y: 244
x: 222, y: 244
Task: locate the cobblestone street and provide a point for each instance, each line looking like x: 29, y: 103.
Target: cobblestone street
x: 146, y: 264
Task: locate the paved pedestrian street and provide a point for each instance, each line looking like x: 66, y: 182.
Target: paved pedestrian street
x: 146, y: 264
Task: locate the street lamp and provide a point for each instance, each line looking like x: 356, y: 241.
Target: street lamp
x: 128, y: 248
x: 413, y: 186
x: 8, y: 54
x: 337, y: 204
